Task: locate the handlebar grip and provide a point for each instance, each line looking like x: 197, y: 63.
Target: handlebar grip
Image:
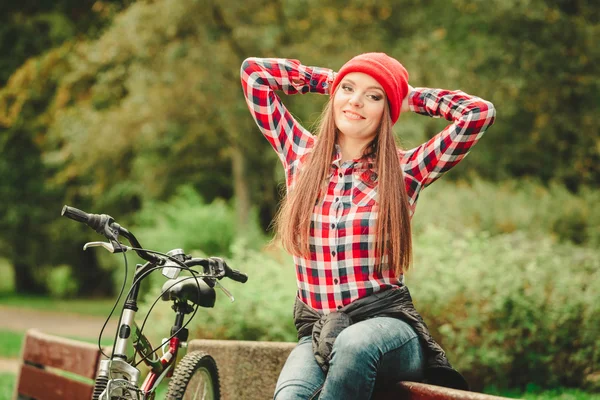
x: 237, y: 276
x: 229, y: 272
x: 75, y: 214
x: 94, y: 221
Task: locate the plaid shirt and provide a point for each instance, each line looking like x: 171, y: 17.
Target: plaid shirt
x: 342, y: 234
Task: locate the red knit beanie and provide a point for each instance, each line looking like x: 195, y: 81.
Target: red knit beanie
x: 387, y: 71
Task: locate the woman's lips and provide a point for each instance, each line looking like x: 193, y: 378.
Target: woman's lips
x: 352, y: 115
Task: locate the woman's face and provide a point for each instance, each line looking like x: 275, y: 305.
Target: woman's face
x: 358, y: 106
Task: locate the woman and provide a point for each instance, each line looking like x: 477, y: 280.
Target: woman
x: 351, y: 193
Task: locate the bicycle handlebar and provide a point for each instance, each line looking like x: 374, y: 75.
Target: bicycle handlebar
x: 230, y: 273
x: 75, y: 214
x: 106, y: 225
x: 94, y: 221
x: 237, y: 276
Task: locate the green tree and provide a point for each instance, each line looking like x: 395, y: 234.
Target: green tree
x: 29, y: 28
x: 28, y: 204
x: 153, y: 101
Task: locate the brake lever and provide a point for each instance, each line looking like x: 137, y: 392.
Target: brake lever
x: 120, y: 248
x: 227, y: 293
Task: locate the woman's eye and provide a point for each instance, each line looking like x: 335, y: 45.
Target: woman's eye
x: 375, y: 97
x: 346, y: 88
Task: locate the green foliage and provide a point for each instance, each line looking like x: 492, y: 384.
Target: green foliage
x: 119, y: 122
x: 60, y: 282
x: 10, y: 344
x: 7, y: 384
x: 124, y: 115
x: 7, y: 278
x: 187, y: 222
x: 510, y: 300
x: 534, y: 392
x: 516, y: 205
x: 31, y: 29
x: 510, y: 309
x: 91, y: 307
x: 262, y: 309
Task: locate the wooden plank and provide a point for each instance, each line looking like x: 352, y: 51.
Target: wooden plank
x: 421, y: 391
x: 61, y: 353
x: 44, y: 385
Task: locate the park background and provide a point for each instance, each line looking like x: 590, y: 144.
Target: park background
x: 134, y: 109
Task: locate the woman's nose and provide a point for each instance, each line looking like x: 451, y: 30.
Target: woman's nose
x: 355, y: 100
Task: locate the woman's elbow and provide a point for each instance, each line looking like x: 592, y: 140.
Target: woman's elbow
x: 490, y: 111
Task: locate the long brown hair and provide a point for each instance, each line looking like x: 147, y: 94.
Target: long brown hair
x: 393, y: 238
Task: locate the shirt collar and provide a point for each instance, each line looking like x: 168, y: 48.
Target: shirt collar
x: 364, y: 162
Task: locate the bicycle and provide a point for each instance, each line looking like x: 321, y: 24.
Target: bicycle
x: 196, y: 374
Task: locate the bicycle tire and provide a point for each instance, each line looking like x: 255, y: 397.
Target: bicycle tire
x: 196, y: 371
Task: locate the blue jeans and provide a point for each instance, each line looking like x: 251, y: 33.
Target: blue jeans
x: 382, y: 350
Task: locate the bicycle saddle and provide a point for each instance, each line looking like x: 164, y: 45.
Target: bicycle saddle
x: 185, y: 288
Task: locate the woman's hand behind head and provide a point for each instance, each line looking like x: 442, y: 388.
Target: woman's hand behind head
x: 404, y: 106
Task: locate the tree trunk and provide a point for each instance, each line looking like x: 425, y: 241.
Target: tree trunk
x: 25, y: 282
x: 240, y: 190
x: 92, y: 280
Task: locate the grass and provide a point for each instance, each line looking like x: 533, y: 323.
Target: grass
x: 535, y: 393
x: 94, y: 307
x: 11, y: 343
x: 7, y: 382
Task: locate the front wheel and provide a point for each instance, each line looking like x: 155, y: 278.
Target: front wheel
x: 196, y: 377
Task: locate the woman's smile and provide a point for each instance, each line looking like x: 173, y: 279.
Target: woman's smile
x: 352, y: 115
x: 358, y: 108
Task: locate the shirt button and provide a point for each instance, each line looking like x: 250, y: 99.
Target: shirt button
x: 337, y: 199
x: 332, y: 226
x: 340, y: 175
x: 335, y: 281
x: 333, y: 253
x: 339, y: 307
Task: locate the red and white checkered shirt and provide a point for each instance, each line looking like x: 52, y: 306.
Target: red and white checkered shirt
x: 342, y: 234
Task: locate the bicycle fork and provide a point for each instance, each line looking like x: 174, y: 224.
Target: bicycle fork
x: 115, y: 375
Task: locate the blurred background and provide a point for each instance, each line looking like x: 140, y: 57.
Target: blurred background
x: 135, y: 109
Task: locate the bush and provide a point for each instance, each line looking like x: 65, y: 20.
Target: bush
x: 263, y: 306
x: 187, y: 222
x: 511, y: 304
x: 510, y: 310
x: 60, y: 282
x: 262, y: 309
x: 517, y: 205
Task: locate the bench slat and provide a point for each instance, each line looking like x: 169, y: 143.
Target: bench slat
x: 65, y: 354
x: 421, y: 391
x: 40, y: 384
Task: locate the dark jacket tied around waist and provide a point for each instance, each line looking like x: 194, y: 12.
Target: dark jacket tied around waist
x: 395, y: 303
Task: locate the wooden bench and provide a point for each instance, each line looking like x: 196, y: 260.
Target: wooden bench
x: 421, y: 391
x: 248, y: 370
x: 49, y: 364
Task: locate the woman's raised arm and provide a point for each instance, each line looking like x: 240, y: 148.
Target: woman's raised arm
x: 470, y: 117
x: 261, y: 77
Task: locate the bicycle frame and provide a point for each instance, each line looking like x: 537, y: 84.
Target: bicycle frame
x: 129, y: 335
x: 117, y: 374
